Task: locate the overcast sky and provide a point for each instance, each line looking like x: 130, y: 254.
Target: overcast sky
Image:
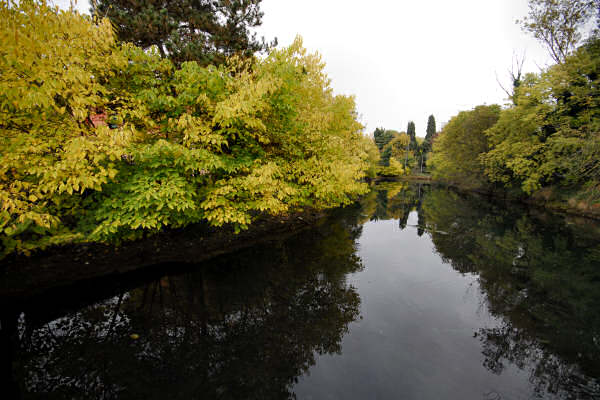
x: 405, y: 60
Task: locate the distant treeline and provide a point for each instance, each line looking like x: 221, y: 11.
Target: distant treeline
x: 402, y: 152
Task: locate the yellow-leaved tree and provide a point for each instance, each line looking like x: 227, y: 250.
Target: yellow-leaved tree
x: 55, y: 65
x: 101, y: 140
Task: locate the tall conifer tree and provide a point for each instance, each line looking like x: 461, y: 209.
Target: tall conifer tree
x: 430, y: 128
x: 410, y: 131
x: 430, y: 133
x: 206, y: 31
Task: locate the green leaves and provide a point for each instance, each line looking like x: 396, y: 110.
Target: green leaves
x: 550, y: 137
x: 180, y: 146
x: 457, y: 150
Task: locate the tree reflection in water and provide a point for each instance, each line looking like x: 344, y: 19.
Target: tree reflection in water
x: 243, y: 326
x: 250, y: 324
x: 539, y: 275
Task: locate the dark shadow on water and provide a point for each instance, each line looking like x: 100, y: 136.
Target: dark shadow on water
x: 242, y: 326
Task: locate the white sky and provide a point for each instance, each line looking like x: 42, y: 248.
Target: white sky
x: 405, y: 60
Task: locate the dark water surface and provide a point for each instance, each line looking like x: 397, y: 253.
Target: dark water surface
x: 418, y: 293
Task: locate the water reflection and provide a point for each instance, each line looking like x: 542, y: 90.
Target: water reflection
x: 244, y: 326
x: 395, y: 200
x: 539, y: 274
x: 281, y: 320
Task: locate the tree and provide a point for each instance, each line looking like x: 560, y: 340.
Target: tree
x: 385, y: 156
x: 382, y: 137
x: 205, y: 31
x: 515, y: 74
x: 412, y: 144
x: 398, y: 144
x: 558, y: 24
x: 457, y: 150
x: 219, y: 144
x: 410, y: 131
x: 551, y: 136
x: 425, y: 147
x: 430, y: 133
x: 54, y: 69
x: 234, y: 36
x: 430, y: 128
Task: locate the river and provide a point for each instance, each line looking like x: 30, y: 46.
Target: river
x: 416, y: 293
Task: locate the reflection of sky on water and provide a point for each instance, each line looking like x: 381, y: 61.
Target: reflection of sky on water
x: 416, y: 336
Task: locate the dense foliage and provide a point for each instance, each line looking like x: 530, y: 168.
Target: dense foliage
x: 412, y: 135
x: 382, y: 137
x: 206, y: 31
x: 551, y: 135
x: 397, y: 156
x: 456, y: 151
x: 182, y: 145
x: 546, y: 144
x: 403, y: 152
x: 392, y: 146
x: 429, y: 135
x: 549, y: 138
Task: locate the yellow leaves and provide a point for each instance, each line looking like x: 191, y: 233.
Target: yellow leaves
x: 215, y: 144
x: 43, y: 70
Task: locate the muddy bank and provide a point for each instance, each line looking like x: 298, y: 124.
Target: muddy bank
x: 66, y: 265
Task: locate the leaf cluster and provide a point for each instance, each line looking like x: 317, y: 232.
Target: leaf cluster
x: 183, y: 145
x: 550, y: 137
x: 205, y: 31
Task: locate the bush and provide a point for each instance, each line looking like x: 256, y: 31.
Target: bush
x: 220, y: 145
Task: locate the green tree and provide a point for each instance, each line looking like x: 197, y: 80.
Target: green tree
x: 425, y: 147
x: 430, y: 133
x: 430, y: 128
x: 411, y: 132
x: 392, y: 153
x: 385, y: 156
x: 398, y: 145
x: 558, y: 24
x: 412, y: 146
x: 206, y: 31
x: 54, y: 69
x: 382, y: 137
x: 457, y: 149
x: 551, y: 136
x: 373, y: 156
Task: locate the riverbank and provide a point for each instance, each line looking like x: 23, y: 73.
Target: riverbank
x: 553, y: 199
x: 407, y: 178
x: 66, y: 265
